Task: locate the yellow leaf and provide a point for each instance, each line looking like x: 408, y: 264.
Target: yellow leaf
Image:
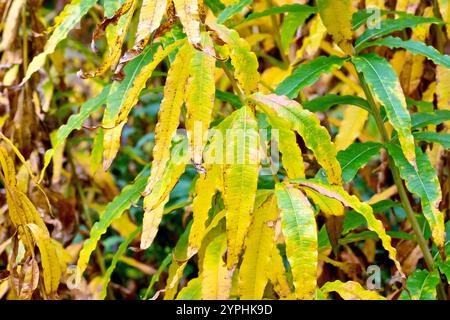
x: 277, y: 275
x: 351, y: 127
x: 187, y: 11
x: 350, y: 290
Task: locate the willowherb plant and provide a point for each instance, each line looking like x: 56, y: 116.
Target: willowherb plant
x: 310, y: 132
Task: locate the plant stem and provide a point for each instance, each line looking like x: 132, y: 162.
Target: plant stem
x: 420, y: 239
x: 234, y: 84
x: 276, y: 34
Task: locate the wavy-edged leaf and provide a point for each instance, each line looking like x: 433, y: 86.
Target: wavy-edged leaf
x: 192, y: 291
x: 49, y: 259
x: 119, y: 253
x: 300, y: 233
x: 253, y: 275
x: 338, y: 193
x: 388, y: 26
x: 350, y: 290
x: 187, y: 11
x: 434, y: 137
x: 200, y: 98
x: 233, y: 9
x: 129, y: 195
x: 308, y: 127
x: 421, y: 285
x: 415, y: 47
x: 423, y: 119
x: 64, y: 22
x: 355, y: 157
x: 306, y: 74
x: 322, y: 104
x: 124, y: 95
x: 423, y: 183
x: 155, y: 201
x: 337, y: 18
x: 216, y: 278
x: 244, y: 61
x: 385, y: 86
x: 329, y: 206
x: 169, y: 112
x: 240, y: 179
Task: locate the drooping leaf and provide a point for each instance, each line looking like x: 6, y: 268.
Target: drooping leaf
x: 355, y: 157
x: 338, y: 193
x: 187, y: 11
x: 413, y: 46
x: 322, y: 104
x: 350, y: 290
x: 308, y: 127
x: 306, y: 74
x: 253, y: 275
x: 233, y: 9
x: 64, y: 22
x: 150, y: 17
x: 286, y: 8
x: 337, y: 18
x: 388, y: 26
x: 421, y: 285
x: 192, y: 291
x: 423, y: 183
x: 240, y: 179
x: 130, y: 194
x: 300, y: 232
x: 386, y: 89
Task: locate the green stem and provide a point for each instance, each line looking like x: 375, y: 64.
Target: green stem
x: 234, y: 84
x: 420, y: 239
x: 276, y: 34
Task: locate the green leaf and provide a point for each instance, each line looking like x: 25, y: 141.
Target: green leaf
x: 322, y: 104
x: 233, y: 9
x: 390, y: 25
x: 423, y: 119
x: 423, y: 183
x: 119, y: 253
x: 291, y: 22
x: 435, y: 137
x: 338, y: 193
x: 65, y: 21
x: 385, y: 86
x: 129, y: 195
x: 355, y: 157
x: 421, y: 285
x: 307, y: 74
x: 192, y: 291
x: 415, y: 47
x: 300, y: 232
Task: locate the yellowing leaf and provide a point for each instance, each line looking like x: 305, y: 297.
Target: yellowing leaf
x: 216, y: 278
x: 300, y: 233
x: 277, y: 275
x: 200, y: 98
x: 308, y: 127
x: 338, y: 193
x: 240, y: 179
x: 187, y: 11
x: 350, y: 290
x: 152, y: 12
x: 253, y: 275
x: 351, y: 127
x: 337, y: 17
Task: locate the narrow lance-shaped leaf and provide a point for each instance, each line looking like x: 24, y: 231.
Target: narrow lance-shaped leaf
x: 187, y: 11
x: 159, y: 195
x: 322, y: 104
x: 306, y: 74
x: 423, y: 183
x: 150, y: 17
x: 390, y: 25
x: 253, y: 275
x: 216, y: 278
x: 124, y: 95
x: 300, y: 232
x: 338, y: 193
x: 350, y: 290
x: 337, y: 18
x: 130, y: 194
x: 355, y: 157
x: 421, y: 286
x: 192, y: 291
x: 200, y: 98
x: 244, y: 61
x: 294, y: 8
x: 64, y: 22
x: 385, y: 86
x: 415, y: 47
x: 233, y: 9
x: 308, y: 127
x: 240, y: 179
x: 436, y: 137
x: 423, y: 119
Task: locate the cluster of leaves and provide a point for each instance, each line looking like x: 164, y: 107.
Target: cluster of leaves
x: 356, y: 92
